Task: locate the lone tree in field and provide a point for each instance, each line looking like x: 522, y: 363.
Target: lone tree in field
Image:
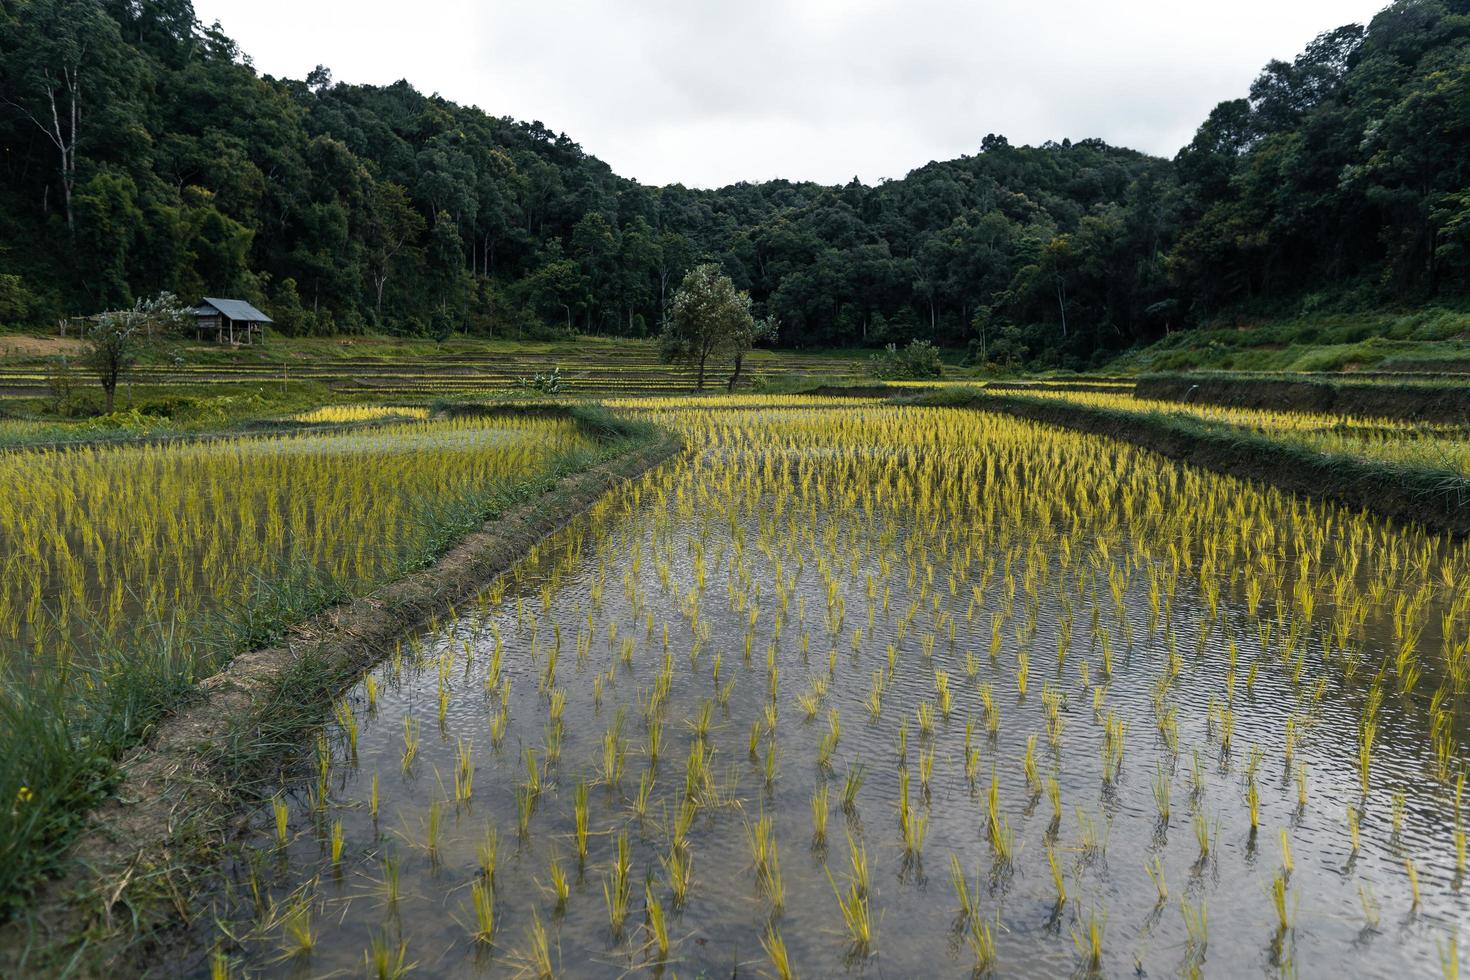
x: 711, y: 318
x: 745, y: 338
x: 114, y: 339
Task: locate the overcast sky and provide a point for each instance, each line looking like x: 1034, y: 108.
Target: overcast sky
x: 709, y: 92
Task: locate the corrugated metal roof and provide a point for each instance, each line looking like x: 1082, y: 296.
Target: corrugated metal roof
x: 235, y: 309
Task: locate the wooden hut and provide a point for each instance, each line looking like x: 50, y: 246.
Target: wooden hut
x: 231, y: 321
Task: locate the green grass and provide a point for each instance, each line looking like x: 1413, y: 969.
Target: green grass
x: 1428, y: 340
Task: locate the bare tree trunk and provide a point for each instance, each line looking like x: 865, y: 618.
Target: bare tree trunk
x: 735, y: 375
x: 61, y: 129
x: 1062, y: 305
x: 66, y: 142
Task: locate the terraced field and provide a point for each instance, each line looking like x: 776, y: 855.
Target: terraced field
x: 589, y: 367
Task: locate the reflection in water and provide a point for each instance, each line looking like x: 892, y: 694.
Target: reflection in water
x: 1088, y: 672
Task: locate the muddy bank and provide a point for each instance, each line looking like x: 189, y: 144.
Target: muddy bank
x: 131, y: 870
x: 1449, y: 402
x: 1437, y: 501
x: 853, y: 391
x: 1100, y: 386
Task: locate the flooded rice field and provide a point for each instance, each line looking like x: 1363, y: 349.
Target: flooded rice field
x: 902, y: 692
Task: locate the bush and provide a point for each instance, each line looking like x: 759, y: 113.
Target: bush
x: 544, y: 384
x: 916, y: 362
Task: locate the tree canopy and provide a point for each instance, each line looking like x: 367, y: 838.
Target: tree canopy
x: 143, y: 153
x: 710, y: 319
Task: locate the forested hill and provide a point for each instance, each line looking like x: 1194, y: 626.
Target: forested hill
x: 1342, y: 176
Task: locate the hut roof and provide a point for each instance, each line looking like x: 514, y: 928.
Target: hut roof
x: 234, y: 309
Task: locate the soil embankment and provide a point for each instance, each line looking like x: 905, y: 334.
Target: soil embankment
x: 1448, y: 402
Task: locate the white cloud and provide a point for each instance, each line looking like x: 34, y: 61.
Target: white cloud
x: 706, y: 93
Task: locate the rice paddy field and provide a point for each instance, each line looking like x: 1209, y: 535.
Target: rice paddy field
x: 105, y: 542
x: 589, y: 367
x: 130, y: 572
x: 1428, y: 445
x: 852, y: 687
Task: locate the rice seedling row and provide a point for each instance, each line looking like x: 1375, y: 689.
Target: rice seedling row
x: 917, y: 690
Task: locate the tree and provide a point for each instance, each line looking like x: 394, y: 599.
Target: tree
x: 710, y: 316
x: 66, y: 59
x: 747, y: 335
x: 114, y: 339
x: 391, y: 224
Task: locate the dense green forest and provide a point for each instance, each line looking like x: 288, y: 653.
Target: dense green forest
x: 142, y: 152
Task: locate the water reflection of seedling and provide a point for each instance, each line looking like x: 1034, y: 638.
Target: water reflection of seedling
x: 1088, y: 938
x: 1196, y: 774
x: 536, y: 961
x: 1114, y: 732
x: 432, y: 826
x: 298, y: 932
x: 1196, y: 928
x: 1203, y: 836
x: 1279, y: 893
x: 982, y: 945
x: 385, y: 960
x: 1155, y: 871
x: 1371, y: 910
x: 390, y: 879
x: 772, y: 883
x: 775, y: 948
